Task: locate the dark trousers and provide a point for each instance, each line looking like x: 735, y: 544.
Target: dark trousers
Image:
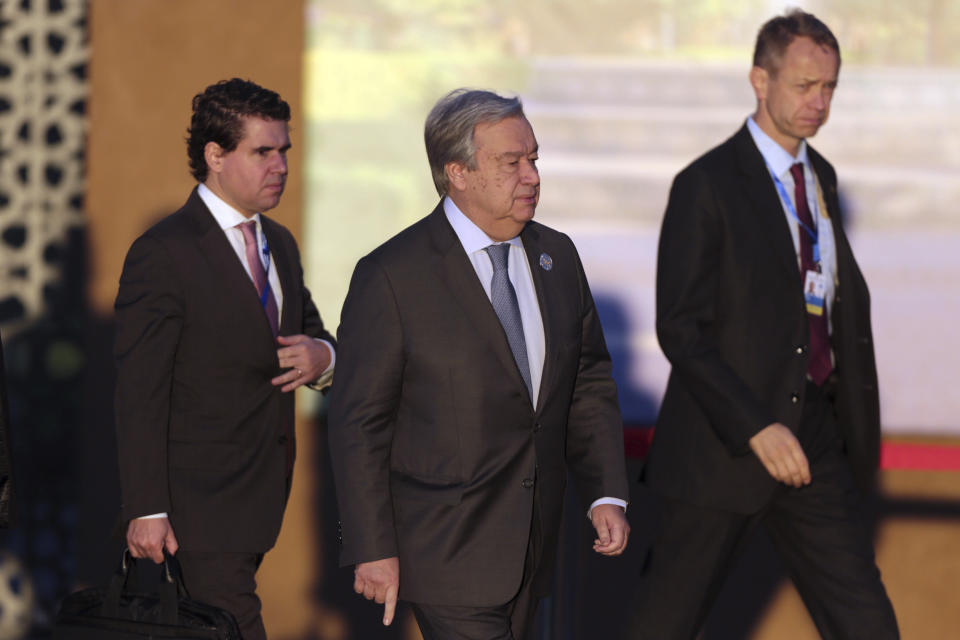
x: 512, y: 620
x: 226, y: 580
x: 818, y: 531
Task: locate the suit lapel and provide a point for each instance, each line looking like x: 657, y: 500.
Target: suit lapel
x: 281, y: 258
x: 546, y: 299
x: 829, y: 189
x: 456, y: 272
x: 223, y: 261
x: 845, y: 261
x: 768, y: 219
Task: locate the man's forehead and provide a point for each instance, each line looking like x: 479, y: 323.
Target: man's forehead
x: 264, y: 129
x: 509, y: 135
x: 803, y: 50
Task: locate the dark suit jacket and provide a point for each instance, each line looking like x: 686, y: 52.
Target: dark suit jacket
x: 434, y: 441
x: 731, y: 319
x: 201, y: 432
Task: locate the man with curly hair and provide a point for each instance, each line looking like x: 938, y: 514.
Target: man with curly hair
x: 215, y: 330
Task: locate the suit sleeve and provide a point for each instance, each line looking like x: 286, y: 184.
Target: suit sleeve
x: 689, y: 268
x: 363, y: 406
x: 594, y: 426
x: 149, y: 315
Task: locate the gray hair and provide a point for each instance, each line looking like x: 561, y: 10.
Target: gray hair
x: 448, y: 132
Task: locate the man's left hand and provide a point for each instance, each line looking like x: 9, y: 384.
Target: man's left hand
x: 612, y: 529
x: 305, y: 357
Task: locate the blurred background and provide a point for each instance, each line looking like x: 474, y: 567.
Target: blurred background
x: 94, y: 105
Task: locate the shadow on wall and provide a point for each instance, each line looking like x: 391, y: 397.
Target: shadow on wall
x: 62, y: 445
x: 334, y: 584
x: 638, y: 406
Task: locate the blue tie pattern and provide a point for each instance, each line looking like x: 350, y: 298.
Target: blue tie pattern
x: 504, y: 300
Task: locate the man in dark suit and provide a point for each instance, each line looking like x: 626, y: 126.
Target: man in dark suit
x: 215, y: 329
x: 771, y: 412
x: 472, y: 372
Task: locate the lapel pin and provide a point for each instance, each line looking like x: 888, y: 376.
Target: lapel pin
x: 546, y: 262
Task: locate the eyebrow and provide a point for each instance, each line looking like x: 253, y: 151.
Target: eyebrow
x: 520, y: 154
x: 816, y: 80
x: 265, y: 147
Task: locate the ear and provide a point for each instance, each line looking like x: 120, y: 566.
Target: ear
x: 759, y: 78
x: 213, y: 154
x: 456, y: 175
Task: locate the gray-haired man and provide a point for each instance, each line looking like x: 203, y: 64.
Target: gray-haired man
x: 471, y: 371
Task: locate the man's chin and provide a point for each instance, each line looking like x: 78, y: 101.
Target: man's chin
x: 524, y: 213
x: 809, y: 130
x: 270, y: 203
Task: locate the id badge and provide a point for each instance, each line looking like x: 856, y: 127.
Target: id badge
x: 814, y: 292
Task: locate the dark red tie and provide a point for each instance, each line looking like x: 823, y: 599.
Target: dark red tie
x: 819, y: 366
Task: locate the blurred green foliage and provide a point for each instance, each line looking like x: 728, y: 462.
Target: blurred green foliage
x: 883, y: 32
x: 374, y: 68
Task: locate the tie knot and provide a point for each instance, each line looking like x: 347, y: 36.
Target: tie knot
x: 797, y: 172
x: 249, y: 230
x: 499, y: 254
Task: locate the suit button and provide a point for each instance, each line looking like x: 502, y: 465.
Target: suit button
x: 527, y: 483
x: 801, y: 349
x: 794, y: 397
x: 282, y: 439
x: 537, y: 427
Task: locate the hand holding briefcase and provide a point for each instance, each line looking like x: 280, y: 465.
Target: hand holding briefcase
x: 118, y: 612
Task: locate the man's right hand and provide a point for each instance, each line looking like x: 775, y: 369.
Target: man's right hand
x: 147, y: 537
x: 379, y: 580
x: 781, y: 454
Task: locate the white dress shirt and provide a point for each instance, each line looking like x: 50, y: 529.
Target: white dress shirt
x: 780, y: 162
x: 229, y: 220
x: 474, y: 242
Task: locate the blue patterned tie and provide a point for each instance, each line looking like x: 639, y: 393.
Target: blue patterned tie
x: 504, y: 300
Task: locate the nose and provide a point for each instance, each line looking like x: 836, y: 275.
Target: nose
x: 530, y: 174
x: 820, y: 100
x: 280, y: 164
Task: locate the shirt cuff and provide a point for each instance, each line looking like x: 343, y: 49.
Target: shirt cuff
x: 156, y: 516
x: 326, y: 378
x: 617, y: 501
x: 333, y: 355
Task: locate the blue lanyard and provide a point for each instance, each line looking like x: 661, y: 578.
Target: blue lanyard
x: 265, y: 252
x: 813, y: 233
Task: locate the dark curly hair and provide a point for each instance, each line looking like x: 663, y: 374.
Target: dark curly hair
x: 777, y: 34
x: 218, y: 114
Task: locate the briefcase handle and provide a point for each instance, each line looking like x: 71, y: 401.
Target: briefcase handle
x: 170, y: 589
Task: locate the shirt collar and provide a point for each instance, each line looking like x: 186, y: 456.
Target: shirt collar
x: 471, y: 236
x: 226, y: 216
x: 776, y: 156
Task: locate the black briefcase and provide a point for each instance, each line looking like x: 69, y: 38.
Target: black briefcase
x: 117, y: 612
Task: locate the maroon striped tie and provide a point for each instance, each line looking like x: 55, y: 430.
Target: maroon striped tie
x: 819, y: 366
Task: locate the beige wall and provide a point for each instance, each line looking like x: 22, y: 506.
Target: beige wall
x: 148, y: 59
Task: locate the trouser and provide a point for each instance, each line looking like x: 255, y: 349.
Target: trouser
x: 226, y: 580
x: 512, y: 620
x: 817, y: 529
